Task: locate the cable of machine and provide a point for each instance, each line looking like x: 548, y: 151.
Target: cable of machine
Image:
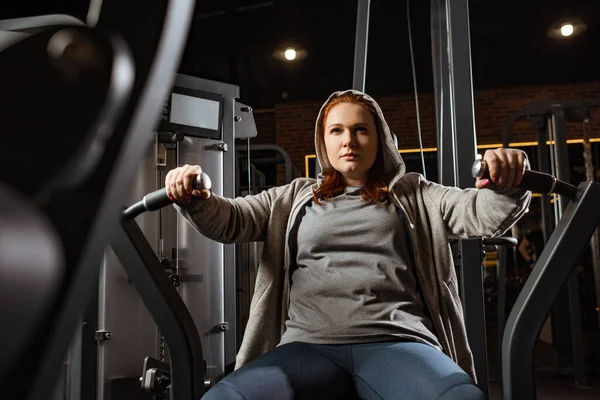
x: 414, y: 74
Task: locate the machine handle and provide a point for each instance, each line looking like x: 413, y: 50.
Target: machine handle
x: 158, y: 199
x: 535, y: 181
x: 501, y: 241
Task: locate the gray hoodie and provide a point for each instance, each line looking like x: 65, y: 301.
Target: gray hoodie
x: 434, y: 212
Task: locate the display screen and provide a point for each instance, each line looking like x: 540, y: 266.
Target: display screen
x: 194, y: 111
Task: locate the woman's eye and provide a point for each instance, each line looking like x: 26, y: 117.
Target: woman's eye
x: 336, y: 130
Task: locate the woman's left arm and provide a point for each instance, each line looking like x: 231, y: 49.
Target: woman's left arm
x: 493, y: 206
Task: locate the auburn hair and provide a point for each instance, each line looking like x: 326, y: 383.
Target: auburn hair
x: 376, y: 188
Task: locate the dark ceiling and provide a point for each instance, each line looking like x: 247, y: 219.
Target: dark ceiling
x: 233, y: 41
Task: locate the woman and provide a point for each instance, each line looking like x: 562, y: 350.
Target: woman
x: 356, y: 293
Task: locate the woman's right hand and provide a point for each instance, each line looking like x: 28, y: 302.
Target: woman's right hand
x: 178, y: 184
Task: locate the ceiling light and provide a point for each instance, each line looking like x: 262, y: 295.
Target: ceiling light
x: 290, y: 53
x: 566, y: 28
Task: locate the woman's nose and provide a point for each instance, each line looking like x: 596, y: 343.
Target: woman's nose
x: 348, y: 139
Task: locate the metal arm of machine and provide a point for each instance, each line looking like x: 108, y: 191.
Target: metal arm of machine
x: 275, y: 147
x: 549, y: 275
x: 162, y: 300
x: 514, y: 117
x: 167, y: 308
x: 541, y: 289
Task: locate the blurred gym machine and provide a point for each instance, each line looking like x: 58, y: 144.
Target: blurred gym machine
x: 549, y: 118
x: 84, y: 97
x: 551, y: 273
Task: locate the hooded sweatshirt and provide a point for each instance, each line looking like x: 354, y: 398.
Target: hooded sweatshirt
x: 352, y: 276
x: 433, y: 213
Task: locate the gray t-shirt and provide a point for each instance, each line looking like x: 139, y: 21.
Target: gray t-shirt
x: 354, y: 281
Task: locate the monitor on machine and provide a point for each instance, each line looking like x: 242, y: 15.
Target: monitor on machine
x: 193, y: 113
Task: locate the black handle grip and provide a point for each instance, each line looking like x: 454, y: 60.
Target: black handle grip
x: 535, y: 181
x: 501, y: 241
x: 158, y: 199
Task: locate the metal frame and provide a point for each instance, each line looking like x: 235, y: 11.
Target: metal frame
x: 131, y: 339
x: 570, y: 309
x: 549, y: 118
x: 556, y: 264
x: 287, y: 160
x: 230, y: 94
x: 501, y: 244
x: 501, y: 307
x: 361, y: 45
x: 167, y: 308
x: 86, y: 386
x: 441, y: 73
x: 457, y: 148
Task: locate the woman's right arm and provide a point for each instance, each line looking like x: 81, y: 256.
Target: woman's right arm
x: 244, y: 219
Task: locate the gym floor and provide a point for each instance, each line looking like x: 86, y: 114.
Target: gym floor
x: 550, y: 386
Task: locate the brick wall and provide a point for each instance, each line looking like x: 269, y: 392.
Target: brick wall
x: 291, y: 125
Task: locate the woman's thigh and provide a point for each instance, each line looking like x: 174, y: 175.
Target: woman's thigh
x: 291, y: 371
x: 409, y: 370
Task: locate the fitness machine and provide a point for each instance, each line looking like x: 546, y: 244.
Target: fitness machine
x: 85, y: 126
x: 184, y: 378
x: 555, y: 265
x: 200, y: 121
x: 550, y: 119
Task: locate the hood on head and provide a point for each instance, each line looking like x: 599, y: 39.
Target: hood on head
x: 392, y: 161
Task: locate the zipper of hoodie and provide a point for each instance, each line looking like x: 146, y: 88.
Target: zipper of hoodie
x: 410, y: 229
x: 426, y: 304
x: 291, y: 223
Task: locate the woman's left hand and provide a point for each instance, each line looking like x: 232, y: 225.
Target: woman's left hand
x: 506, y: 167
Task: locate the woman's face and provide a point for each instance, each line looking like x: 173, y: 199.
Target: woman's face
x: 351, y: 141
